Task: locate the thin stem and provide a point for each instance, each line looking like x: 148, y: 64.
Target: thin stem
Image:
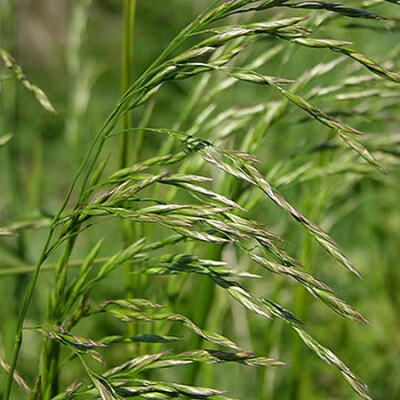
x: 301, y: 307
x: 126, y: 74
x: 22, y: 316
x: 126, y: 125
x: 22, y: 268
x: 51, y: 349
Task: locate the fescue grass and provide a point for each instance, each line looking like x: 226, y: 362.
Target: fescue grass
x: 187, y: 199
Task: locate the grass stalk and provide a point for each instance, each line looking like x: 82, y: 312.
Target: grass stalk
x: 51, y: 349
x: 129, y: 12
x: 313, y: 199
x: 301, y: 307
x: 22, y: 315
x: 25, y: 269
x: 126, y: 75
x: 116, y: 196
x: 205, y: 291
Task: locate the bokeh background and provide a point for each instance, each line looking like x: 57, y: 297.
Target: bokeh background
x: 72, y: 50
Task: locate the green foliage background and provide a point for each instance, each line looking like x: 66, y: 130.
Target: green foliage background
x: 45, y: 151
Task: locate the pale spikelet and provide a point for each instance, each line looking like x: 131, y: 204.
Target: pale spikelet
x: 296, y: 274
x: 251, y: 175
x: 198, y: 189
x: 136, y: 364
x: 19, y: 380
x: 146, y: 338
x: 327, y: 355
x: 77, y: 343
x: 336, y: 8
x: 161, y: 390
x: 234, y: 32
x: 6, y: 232
x: 69, y: 392
x: 167, y: 360
x: 17, y: 71
x: 338, y: 305
x: 140, y: 309
x: 171, y: 264
x: 5, y: 139
x: 345, y: 131
x: 343, y: 48
x: 104, y: 388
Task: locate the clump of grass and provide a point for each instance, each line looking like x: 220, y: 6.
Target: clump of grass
x: 224, y: 184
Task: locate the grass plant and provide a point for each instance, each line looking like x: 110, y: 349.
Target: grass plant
x: 188, y: 208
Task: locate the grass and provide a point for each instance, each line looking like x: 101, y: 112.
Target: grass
x: 179, y: 214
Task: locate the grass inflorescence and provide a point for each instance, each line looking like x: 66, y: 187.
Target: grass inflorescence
x: 183, y: 207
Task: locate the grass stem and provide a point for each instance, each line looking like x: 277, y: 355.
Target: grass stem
x: 126, y: 74
x: 126, y: 123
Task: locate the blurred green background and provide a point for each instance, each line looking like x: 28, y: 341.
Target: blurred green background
x: 72, y: 50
